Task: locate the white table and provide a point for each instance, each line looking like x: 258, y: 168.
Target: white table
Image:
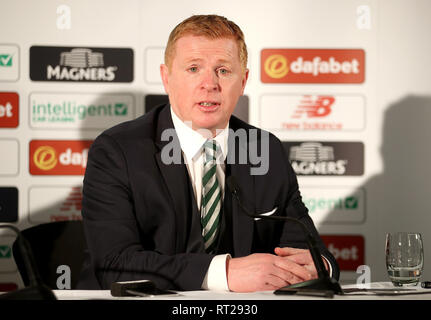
x: 422, y: 294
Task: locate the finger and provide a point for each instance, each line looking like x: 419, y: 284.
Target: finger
x: 312, y: 270
x: 284, y: 275
x: 301, y: 258
x: 291, y: 278
x: 287, y: 251
x: 276, y: 282
x: 306, y: 261
x: 294, y: 279
x: 270, y: 287
x: 293, y: 268
x: 281, y: 278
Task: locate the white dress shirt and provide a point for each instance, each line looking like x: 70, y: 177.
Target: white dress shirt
x: 191, y: 145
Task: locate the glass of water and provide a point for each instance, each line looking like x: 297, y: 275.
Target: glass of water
x: 404, y: 258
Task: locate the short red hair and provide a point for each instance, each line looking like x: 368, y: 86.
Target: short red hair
x: 209, y: 26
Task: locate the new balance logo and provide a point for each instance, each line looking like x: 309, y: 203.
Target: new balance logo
x: 314, y: 108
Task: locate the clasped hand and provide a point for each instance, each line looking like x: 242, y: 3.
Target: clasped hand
x: 264, y: 271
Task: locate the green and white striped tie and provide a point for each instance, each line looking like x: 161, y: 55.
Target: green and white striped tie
x: 211, y: 196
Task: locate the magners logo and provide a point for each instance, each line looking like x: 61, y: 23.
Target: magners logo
x: 58, y: 157
x: 81, y: 64
x: 312, y: 158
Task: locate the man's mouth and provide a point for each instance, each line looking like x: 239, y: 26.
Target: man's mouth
x: 208, y: 105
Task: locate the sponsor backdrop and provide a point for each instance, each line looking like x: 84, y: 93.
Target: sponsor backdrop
x: 344, y: 84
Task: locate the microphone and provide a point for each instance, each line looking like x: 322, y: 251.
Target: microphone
x: 36, y: 290
x: 324, y: 282
x: 141, y: 288
x: 131, y: 288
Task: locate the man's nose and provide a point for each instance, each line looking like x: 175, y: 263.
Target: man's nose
x: 210, y: 81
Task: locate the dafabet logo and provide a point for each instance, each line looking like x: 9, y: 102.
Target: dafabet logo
x: 58, y: 157
x: 9, y: 110
x: 348, y: 250
x: 312, y: 66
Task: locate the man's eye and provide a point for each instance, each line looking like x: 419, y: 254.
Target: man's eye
x: 223, y: 71
x: 193, y: 69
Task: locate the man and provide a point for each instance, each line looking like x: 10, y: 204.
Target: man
x: 175, y: 222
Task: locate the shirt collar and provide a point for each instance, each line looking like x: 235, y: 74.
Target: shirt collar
x: 191, y: 141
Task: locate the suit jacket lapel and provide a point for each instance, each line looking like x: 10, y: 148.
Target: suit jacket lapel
x: 175, y: 177
x: 242, y: 225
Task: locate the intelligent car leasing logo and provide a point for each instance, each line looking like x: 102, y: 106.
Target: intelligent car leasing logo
x: 9, y: 62
x: 81, y: 64
x: 5, y: 60
x: 326, y: 158
x: 5, y: 252
x: 312, y: 66
x: 80, y: 110
x: 335, y: 204
x: 58, y: 157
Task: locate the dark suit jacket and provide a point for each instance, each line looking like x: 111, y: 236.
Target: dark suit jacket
x: 140, y: 215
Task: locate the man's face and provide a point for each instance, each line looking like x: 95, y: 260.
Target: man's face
x: 205, y: 81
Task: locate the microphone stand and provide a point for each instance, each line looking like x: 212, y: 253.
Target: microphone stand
x: 36, y: 290
x: 324, y: 284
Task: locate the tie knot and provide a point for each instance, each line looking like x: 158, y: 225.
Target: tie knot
x: 211, y: 149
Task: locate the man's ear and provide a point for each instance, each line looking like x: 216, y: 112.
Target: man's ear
x: 244, y: 80
x: 164, y: 74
